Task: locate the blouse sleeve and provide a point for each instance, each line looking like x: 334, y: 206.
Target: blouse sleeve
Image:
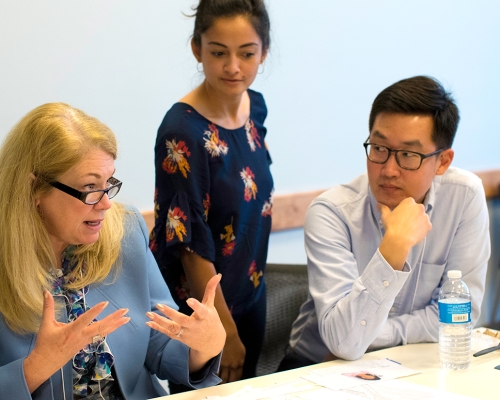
x: 182, y: 193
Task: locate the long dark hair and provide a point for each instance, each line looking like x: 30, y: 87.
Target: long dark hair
x: 209, y: 10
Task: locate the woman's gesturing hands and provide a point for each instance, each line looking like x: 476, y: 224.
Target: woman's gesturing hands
x: 202, y: 331
x: 57, y: 342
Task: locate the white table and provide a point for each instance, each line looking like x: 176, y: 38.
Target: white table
x: 481, y: 380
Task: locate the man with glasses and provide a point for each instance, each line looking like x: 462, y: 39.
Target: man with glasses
x: 379, y: 247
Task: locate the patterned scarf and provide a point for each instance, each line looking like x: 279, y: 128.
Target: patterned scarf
x: 92, y: 363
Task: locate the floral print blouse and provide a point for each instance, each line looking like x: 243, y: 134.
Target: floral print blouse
x: 214, y: 197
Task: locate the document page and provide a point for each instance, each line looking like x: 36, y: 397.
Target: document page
x: 395, y: 390
x: 358, y: 373
x: 358, y: 380
x: 387, y: 390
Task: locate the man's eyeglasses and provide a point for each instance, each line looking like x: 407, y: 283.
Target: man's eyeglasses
x: 409, y: 160
x: 92, y: 196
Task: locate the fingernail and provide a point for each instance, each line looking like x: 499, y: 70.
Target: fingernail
x: 105, y: 303
x: 128, y: 320
x: 149, y: 324
x: 220, y: 274
x: 45, y: 293
x: 150, y: 314
x: 160, y: 306
x: 189, y: 301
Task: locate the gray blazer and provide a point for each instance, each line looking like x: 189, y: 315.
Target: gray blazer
x: 140, y: 353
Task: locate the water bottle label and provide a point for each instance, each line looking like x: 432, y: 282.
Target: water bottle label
x: 454, y: 313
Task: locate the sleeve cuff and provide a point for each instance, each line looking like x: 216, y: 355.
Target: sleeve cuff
x: 207, y: 376
x: 382, y: 280
x: 12, y: 381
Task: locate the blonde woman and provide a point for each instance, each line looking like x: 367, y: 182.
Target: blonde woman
x: 80, y: 292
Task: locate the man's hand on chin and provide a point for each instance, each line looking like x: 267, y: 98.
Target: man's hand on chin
x: 405, y: 226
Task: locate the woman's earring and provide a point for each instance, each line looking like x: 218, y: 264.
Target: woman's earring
x: 261, y: 71
x: 198, y: 67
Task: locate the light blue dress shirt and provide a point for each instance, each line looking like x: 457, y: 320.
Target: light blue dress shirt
x: 356, y: 300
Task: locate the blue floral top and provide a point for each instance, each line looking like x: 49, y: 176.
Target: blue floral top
x: 94, y: 362
x: 214, y: 197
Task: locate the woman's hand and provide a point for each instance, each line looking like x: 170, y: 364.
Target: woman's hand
x: 202, y: 331
x: 233, y: 358
x: 198, y: 272
x: 57, y: 342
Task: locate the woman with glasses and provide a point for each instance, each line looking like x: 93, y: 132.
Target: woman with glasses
x: 84, y: 312
x: 213, y: 181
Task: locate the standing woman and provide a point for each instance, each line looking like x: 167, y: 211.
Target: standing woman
x: 213, y: 183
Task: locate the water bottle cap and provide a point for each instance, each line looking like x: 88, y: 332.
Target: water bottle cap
x: 454, y: 274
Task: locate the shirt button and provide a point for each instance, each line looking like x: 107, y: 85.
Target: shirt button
x: 363, y: 322
x: 385, y: 283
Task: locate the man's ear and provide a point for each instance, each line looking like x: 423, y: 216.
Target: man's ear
x: 196, y: 51
x: 445, y: 159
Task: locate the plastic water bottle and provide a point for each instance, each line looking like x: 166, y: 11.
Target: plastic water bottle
x: 454, y: 323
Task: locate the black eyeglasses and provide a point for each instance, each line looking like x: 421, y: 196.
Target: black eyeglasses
x: 92, y: 196
x: 409, y: 160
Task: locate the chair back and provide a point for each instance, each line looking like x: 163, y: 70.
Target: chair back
x: 287, y: 289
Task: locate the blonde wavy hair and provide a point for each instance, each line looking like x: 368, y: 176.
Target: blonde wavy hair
x: 46, y: 143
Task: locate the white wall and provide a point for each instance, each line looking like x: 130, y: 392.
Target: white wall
x: 126, y: 62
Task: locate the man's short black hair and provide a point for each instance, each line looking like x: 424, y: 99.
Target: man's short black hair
x: 421, y: 95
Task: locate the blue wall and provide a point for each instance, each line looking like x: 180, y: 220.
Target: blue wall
x: 126, y: 62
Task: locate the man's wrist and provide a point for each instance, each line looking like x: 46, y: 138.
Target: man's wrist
x: 394, y: 251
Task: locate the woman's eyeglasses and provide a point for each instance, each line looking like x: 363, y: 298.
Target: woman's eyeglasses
x: 92, y: 196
